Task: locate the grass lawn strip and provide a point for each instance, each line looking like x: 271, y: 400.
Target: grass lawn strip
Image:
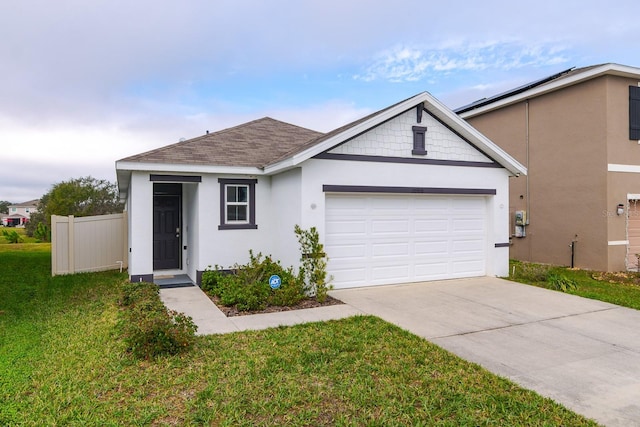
x: 616, y: 288
x: 62, y: 363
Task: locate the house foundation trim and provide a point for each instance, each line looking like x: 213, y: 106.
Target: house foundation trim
x: 407, y: 190
x: 141, y: 278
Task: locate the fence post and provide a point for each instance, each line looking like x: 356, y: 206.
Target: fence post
x: 72, y: 261
x: 54, y: 240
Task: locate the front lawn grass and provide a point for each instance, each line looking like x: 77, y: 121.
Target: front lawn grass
x: 62, y: 363
x: 617, y: 288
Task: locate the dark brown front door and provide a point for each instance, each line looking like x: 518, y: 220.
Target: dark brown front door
x: 166, y: 232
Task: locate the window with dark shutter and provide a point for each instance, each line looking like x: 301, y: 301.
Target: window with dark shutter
x: 419, y: 138
x: 634, y: 113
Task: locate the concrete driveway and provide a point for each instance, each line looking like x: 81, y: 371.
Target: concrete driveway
x: 582, y: 353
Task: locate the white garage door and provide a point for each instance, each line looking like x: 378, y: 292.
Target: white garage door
x: 384, y: 239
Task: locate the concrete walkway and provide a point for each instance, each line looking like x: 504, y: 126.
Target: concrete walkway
x: 210, y: 320
x: 582, y: 353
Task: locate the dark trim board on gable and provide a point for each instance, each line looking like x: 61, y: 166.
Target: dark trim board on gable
x: 407, y: 190
x: 386, y: 159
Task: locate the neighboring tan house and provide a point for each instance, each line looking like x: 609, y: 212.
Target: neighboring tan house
x: 578, y: 134
x: 407, y: 194
x: 19, y: 213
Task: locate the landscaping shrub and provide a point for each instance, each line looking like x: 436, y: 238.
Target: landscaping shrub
x: 148, y: 328
x: 247, y: 286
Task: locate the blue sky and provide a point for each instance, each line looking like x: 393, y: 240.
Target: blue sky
x: 87, y: 83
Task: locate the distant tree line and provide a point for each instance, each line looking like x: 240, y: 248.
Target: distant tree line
x: 84, y: 196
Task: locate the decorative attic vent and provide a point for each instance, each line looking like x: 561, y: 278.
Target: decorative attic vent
x: 634, y: 113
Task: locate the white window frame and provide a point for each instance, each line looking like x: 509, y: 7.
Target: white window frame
x: 227, y: 203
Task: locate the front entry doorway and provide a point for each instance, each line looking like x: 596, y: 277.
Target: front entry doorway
x: 166, y: 226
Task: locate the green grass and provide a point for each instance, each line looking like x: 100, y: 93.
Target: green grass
x: 617, y: 288
x: 62, y: 363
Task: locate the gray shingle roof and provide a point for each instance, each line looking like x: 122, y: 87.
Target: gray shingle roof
x: 256, y: 143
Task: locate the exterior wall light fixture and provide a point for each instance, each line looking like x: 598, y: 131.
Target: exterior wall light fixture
x: 620, y: 209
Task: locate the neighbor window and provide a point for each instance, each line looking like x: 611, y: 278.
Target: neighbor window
x: 237, y: 204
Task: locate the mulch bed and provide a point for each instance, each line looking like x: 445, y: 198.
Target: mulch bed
x: 306, y: 303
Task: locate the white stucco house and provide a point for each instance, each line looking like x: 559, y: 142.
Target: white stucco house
x: 410, y: 193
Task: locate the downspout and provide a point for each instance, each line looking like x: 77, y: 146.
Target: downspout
x: 528, y: 202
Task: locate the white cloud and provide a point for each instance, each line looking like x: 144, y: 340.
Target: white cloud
x: 412, y: 63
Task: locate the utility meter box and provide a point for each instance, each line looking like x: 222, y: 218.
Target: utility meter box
x: 521, y: 217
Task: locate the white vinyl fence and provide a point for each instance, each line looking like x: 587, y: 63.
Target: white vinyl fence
x: 91, y: 243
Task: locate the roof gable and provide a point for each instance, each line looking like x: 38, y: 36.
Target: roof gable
x: 435, y: 108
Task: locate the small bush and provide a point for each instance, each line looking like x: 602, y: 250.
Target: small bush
x: 561, y: 282
x: 148, y: 328
x: 12, y: 236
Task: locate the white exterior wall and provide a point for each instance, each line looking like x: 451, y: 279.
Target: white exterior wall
x: 228, y: 247
x: 286, y: 210
x: 314, y: 176
x: 141, y: 222
x: 190, y: 234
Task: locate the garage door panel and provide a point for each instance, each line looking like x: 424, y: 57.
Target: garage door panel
x: 436, y: 225
x: 346, y: 228
x: 390, y: 249
x: 431, y: 247
x: 382, y: 239
x: 461, y: 246
x: 390, y: 226
x: 431, y: 270
x: 383, y: 273
x: 349, y: 251
x: 467, y: 225
x: 349, y: 277
x: 471, y: 267
x: 432, y: 204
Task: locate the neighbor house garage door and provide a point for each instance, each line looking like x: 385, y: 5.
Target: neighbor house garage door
x: 379, y: 239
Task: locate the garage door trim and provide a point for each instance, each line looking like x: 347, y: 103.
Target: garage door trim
x: 406, y: 190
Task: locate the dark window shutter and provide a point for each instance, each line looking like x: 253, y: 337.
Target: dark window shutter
x: 634, y: 113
